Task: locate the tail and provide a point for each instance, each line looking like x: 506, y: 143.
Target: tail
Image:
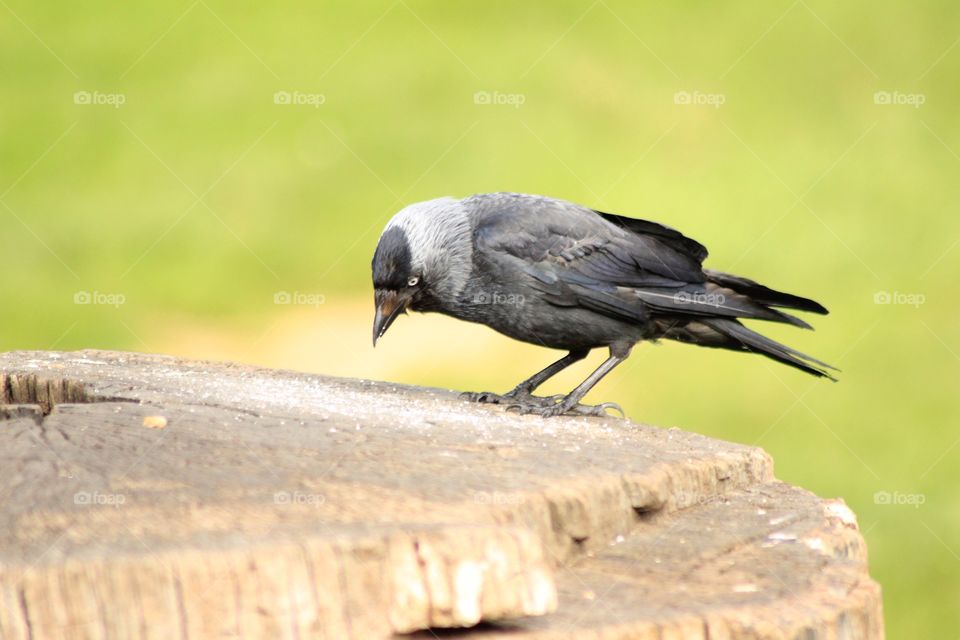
x: 723, y: 295
x: 764, y: 295
x: 718, y: 325
x: 727, y: 333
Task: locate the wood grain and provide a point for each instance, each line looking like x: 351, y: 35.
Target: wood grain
x: 280, y: 504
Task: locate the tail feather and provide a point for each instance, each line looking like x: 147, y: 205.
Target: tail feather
x: 740, y: 337
x: 764, y: 295
x: 718, y: 325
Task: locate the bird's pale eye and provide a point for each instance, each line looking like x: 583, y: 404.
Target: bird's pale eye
x: 413, y: 281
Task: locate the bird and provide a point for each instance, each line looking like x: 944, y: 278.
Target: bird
x: 563, y: 276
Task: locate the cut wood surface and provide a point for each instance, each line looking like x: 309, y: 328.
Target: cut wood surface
x: 153, y: 497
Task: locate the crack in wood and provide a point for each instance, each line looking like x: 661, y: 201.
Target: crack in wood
x: 181, y: 605
x: 25, y: 612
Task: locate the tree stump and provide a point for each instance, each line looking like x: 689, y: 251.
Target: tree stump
x: 154, y: 497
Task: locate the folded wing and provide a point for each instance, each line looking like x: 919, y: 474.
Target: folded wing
x: 622, y: 267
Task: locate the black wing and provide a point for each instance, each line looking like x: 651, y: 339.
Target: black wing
x: 667, y: 235
x: 620, y: 267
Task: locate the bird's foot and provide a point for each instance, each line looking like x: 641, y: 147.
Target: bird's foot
x: 554, y: 408
x: 485, y: 397
x: 546, y: 407
x: 512, y: 398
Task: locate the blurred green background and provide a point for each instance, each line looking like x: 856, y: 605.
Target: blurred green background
x: 179, y: 166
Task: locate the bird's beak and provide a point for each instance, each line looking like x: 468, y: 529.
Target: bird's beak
x: 390, y: 304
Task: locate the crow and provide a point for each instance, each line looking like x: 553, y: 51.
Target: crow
x: 557, y: 274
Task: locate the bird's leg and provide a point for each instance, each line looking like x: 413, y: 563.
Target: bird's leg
x: 531, y: 384
x: 571, y: 403
x: 524, y: 390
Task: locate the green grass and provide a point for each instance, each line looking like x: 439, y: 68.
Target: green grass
x: 799, y: 178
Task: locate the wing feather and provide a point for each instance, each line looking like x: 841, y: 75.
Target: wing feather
x: 621, y: 267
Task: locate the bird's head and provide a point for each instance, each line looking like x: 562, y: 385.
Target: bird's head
x: 396, y: 282
x: 422, y: 261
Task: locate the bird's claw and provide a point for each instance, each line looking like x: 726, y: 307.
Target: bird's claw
x: 485, y: 397
x: 546, y: 407
x: 488, y: 397
x: 511, y: 399
x: 552, y: 408
x: 599, y: 410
